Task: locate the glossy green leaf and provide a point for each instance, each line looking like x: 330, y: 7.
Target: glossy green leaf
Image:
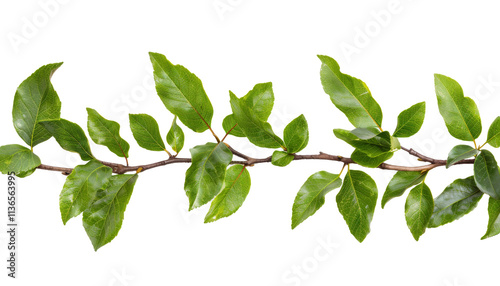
x: 103, y: 220
x: 458, y: 199
x: 418, y: 209
x: 260, y: 100
x: 36, y: 101
x: 175, y: 137
x: 229, y: 200
x: 367, y: 141
x: 230, y: 124
x: 410, y: 121
x: 486, y: 174
x: 182, y: 93
x: 296, y: 135
x: 81, y: 187
x: 350, y: 95
x: 494, y: 218
x: 356, y: 202
x: 400, y: 182
x: 459, y: 113
x: 311, y: 195
x: 18, y: 159
x: 70, y: 137
x: 370, y: 162
x: 205, y: 176
x: 494, y: 133
x: 257, y: 131
x: 106, y: 132
x: 460, y: 152
x: 146, y: 132
x: 281, y: 159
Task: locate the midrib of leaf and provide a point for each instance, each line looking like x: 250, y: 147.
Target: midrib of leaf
x: 355, y: 195
x: 112, y: 136
x: 265, y: 131
x: 413, y: 115
x: 77, y: 141
x: 14, y: 154
x: 463, y: 199
x: 319, y: 193
x: 204, y: 165
x: 36, y: 117
x: 151, y: 135
x: 233, y: 184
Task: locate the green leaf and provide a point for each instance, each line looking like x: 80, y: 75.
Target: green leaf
x: 260, y: 100
x: 18, y: 159
x: 106, y: 132
x: 257, y: 131
x: 205, y: 176
x: 296, y: 135
x: 459, y: 113
x: 350, y: 95
x: 494, y: 133
x: 418, y: 209
x: 356, y: 202
x: 410, y: 121
x: 70, y: 137
x: 400, y: 182
x: 486, y: 174
x: 146, y: 132
x: 103, y: 220
x: 36, y: 101
x: 311, y: 195
x: 281, y: 159
x: 182, y: 93
x: 229, y: 200
x: 457, y: 200
x: 229, y: 123
x: 370, y: 162
x: 460, y: 152
x: 367, y: 141
x: 81, y: 187
x: 175, y: 137
x: 494, y: 219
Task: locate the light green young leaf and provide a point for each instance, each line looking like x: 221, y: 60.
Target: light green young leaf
x: 229, y: 200
x: 494, y: 219
x: 494, y: 133
x: 401, y: 181
x: 18, y: 159
x: 146, y: 132
x: 70, y: 137
x: 458, y: 199
x: 486, y: 174
x: 311, y: 195
x: 418, y: 209
x: 350, y: 95
x: 367, y: 141
x: 281, y: 159
x: 296, y: 135
x: 106, y: 132
x: 81, y: 187
x: 175, y: 137
x: 182, y: 93
x: 410, y: 121
x: 103, y: 220
x: 230, y: 124
x: 356, y: 202
x: 459, y: 113
x: 36, y: 101
x: 206, y: 174
x: 460, y: 152
x: 370, y: 162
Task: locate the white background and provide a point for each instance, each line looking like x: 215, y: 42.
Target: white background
x: 396, y: 47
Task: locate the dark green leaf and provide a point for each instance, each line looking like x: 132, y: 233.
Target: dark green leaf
x: 401, y: 181
x: 36, y: 101
x: 182, y: 93
x: 459, y: 113
x: 494, y: 133
x: 260, y: 100
x: 370, y: 162
x: 368, y: 141
x: 350, y: 95
x: 281, y: 159
x: 311, y: 195
x: 106, y: 132
x: 457, y: 200
x: 70, y: 137
x: 418, y: 209
x: 356, y: 202
x: 229, y: 200
x: 18, y: 159
x: 229, y: 123
x: 494, y: 218
x: 146, y: 132
x: 296, y: 135
x: 257, y: 131
x: 175, y: 137
x: 486, y: 174
x: 103, y: 220
x: 81, y: 187
x: 205, y: 176
x: 410, y: 121
x: 460, y: 152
